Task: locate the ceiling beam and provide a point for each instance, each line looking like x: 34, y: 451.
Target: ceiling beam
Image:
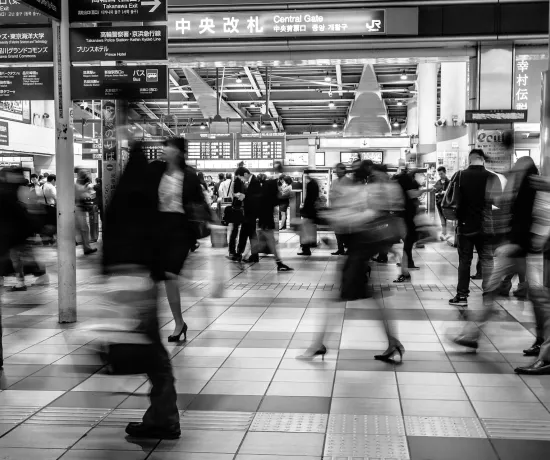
x: 253, y: 82
x: 271, y: 110
x: 339, y: 78
x: 174, y: 79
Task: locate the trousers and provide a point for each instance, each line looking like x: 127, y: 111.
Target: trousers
x: 466, y: 245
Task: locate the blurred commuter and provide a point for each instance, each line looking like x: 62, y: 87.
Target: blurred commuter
x: 412, y: 192
x: 226, y: 187
x: 373, y: 219
x: 516, y: 206
x: 308, y: 233
x: 205, y: 188
x: 337, y: 195
x: 177, y: 191
x: 479, y: 190
x: 285, y: 191
x: 129, y: 238
x: 237, y: 214
x: 98, y: 188
x: 440, y: 187
x: 83, y: 198
x: 221, y: 180
x: 270, y: 199
x: 250, y: 197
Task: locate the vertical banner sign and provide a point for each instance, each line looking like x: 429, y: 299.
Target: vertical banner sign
x: 498, y: 147
x: 527, y: 80
x: 108, y: 135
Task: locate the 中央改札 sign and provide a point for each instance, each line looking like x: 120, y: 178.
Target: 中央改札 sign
x: 26, y: 44
x: 110, y: 82
x: 119, y: 11
x: 50, y: 8
x: 26, y: 84
x: 145, y: 43
x: 14, y: 12
x: 236, y: 24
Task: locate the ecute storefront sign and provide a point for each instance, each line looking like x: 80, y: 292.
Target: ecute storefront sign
x: 276, y: 24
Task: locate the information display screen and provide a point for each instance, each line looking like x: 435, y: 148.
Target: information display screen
x: 153, y: 149
x: 14, y: 12
x: 145, y: 43
x: 26, y: 44
x: 210, y: 146
x: 267, y: 146
x: 111, y: 82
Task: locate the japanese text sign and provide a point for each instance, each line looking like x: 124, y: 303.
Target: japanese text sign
x: 50, y: 8
x: 14, y: 12
x: 109, y: 82
x: 527, y: 84
x: 276, y: 24
x: 26, y: 45
x: 268, y: 146
x: 118, y: 43
x: 25, y: 83
x: 4, y: 133
x: 121, y: 10
x: 495, y: 116
x: 210, y: 146
x: 497, y: 150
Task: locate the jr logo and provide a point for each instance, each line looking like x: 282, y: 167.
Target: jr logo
x: 374, y: 26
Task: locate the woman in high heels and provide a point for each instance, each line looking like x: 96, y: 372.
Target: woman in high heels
x: 177, y: 190
x: 371, y: 216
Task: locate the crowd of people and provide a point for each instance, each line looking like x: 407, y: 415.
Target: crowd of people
x: 160, y: 211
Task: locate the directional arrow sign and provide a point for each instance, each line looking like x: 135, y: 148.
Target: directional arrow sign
x: 120, y: 11
x: 50, y: 8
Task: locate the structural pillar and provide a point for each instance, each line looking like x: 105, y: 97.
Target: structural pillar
x: 412, y: 118
x: 311, y: 152
x: 427, y: 112
x: 64, y: 156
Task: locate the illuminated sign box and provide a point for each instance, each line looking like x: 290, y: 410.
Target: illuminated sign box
x: 496, y: 116
x: 276, y: 24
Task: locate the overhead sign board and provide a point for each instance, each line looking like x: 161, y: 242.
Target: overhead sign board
x: 153, y: 149
x: 26, y: 83
x: 119, y: 11
x: 50, y: 8
x: 26, y: 44
x: 267, y: 146
x: 496, y: 116
x: 279, y: 24
x: 4, y: 133
x: 110, y: 82
x: 145, y: 43
x: 210, y: 146
x: 14, y: 12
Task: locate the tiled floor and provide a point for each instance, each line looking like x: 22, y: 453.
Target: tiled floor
x: 244, y: 396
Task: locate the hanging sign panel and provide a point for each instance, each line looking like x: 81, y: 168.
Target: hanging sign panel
x: 495, y: 116
x: 26, y: 45
x: 498, y: 148
x: 153, y: 149
x: 280, y: 24
x: 119, y: 11
x: 26, y: 83
x: 14, y: 12
x: 527, y: 83
x: 267, y: 146
x: 50, y: 8
x: 210, y: 146
x: 145, y: 43
x: 110, y: 82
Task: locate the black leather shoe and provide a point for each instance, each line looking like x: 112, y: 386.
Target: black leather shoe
x: 140, y: 430
x: 380, y: 260
x: 477, y: 276
x: 252, y: 259
x: 304, y: 253
x: 466, y: 342
x: 539, y: 367
x: 534, y: 350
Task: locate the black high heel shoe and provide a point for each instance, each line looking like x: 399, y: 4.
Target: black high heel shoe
x: 177, y: 337
x: 394, y: 348
x: 312, y: 353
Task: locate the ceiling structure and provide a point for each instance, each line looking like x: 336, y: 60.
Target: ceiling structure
x: 346, y: 99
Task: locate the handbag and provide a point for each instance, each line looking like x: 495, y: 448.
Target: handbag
x: 200, y: 217
x: 388, y: 228
x: 451, y: 199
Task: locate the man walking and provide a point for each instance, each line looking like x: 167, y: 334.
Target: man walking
x: 478, y: 190
x: 440, y: 188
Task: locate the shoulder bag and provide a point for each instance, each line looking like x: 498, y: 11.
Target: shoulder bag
x: 451, y: 199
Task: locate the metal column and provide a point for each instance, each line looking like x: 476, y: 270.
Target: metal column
x: 64, y: 159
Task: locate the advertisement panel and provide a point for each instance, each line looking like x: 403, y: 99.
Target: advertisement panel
x: 276, y: 24
x: 498, y: 147
x: 4, y: 133
x: 527, y: 83
x: 16, y: 111
x: 146, y: 43
x: 110, y: 82
x: 26, y: 44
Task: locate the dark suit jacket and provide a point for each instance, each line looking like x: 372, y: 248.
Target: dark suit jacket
x: 253, y: 197
x: 309, y: 210
x: 269, y: 199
